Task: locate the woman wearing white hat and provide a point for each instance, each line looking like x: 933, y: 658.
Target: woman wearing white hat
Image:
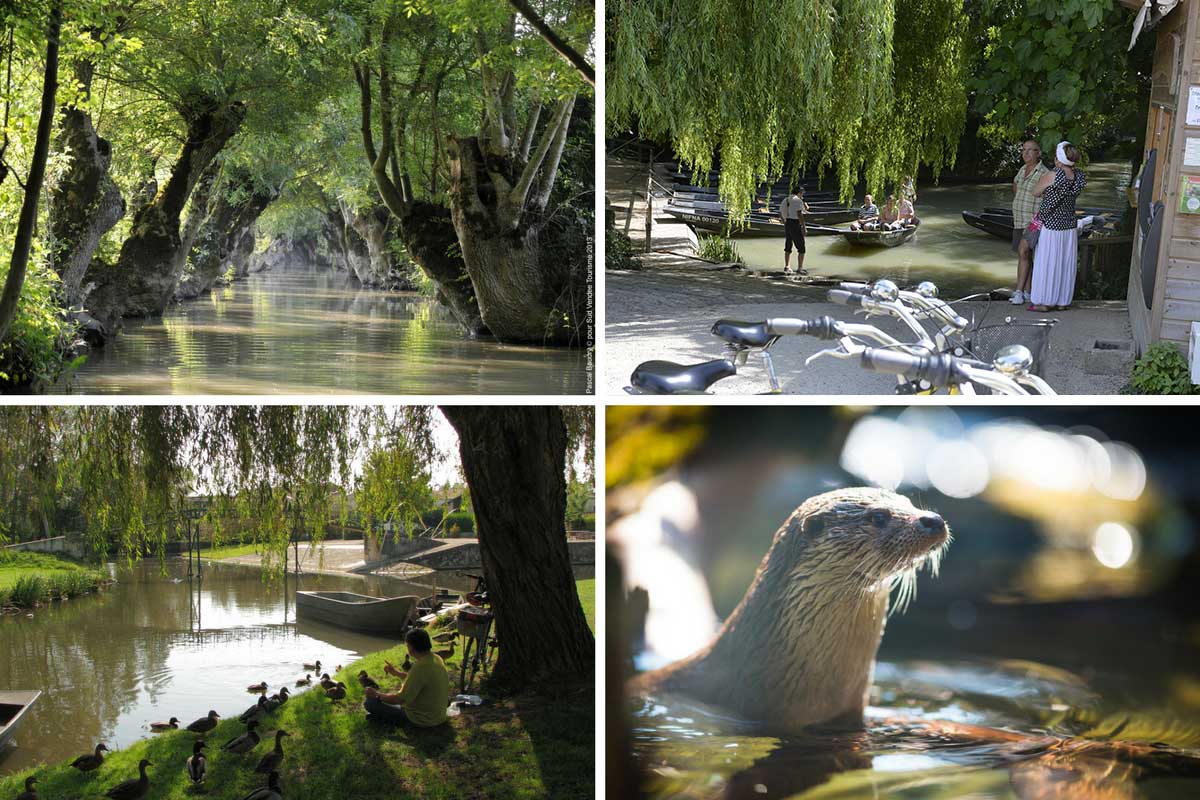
x: 1054, y: 260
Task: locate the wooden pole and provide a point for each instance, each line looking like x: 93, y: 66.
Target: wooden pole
x: 649, y: 202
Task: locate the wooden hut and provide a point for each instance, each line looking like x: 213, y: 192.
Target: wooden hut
x: 1164, y: 272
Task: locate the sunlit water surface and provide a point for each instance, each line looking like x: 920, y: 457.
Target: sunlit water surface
x: 309, y: 332
x: 155, y: 646
x: 691, y: 751
x: 960, y: 259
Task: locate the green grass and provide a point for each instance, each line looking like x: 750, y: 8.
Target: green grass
x: 30, y: 579
x: 587, y: 598
x: 230, y: 551
x: 526, y: 747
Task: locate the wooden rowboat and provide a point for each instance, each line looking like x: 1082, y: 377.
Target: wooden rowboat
x: 14, y: 706
x: 882, y: 238
x: 818, y: 224
x: 358, y: 611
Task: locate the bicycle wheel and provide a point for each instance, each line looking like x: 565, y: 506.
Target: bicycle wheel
x: 466, y: 659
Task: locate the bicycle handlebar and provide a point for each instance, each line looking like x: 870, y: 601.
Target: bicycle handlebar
x: 939, y: 308
x: 939, y: 370
x: 844, y: 297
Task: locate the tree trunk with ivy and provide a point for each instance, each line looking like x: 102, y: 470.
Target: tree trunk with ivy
x: 514, y: 461
x: 222, y: 235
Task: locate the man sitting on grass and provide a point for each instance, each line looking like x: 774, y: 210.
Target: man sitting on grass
x: 423, y: 698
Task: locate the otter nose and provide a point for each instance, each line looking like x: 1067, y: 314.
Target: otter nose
x: 932, y: 522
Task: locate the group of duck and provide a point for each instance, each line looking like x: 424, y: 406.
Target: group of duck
x: 197, y: 764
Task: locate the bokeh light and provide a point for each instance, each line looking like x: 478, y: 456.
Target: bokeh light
x: 1114, y: 544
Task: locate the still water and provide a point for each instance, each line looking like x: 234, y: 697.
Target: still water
x: 962, y: 260
x: 317, y: 332
x: 155, y: 646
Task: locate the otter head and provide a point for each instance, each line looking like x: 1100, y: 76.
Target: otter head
x: 870, y: 537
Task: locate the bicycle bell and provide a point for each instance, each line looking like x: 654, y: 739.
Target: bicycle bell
x: 1015, y: 359
x: 927, y: 289
x: 884, y: 290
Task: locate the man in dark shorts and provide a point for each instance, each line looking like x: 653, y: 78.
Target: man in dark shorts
x: 792, y: 211
x: 423, y: 698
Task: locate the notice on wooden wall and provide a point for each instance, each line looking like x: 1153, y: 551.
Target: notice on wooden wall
x: 1191, y: 152
x: 1189, y: 194
x: 1193, y: 106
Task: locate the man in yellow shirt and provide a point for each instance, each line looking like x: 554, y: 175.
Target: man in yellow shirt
x: 423, y: 698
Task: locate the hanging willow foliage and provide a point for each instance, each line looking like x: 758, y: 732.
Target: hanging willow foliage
x: 875, y: 87
x: 272, y: 474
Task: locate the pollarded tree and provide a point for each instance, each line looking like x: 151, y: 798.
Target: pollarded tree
x: 844, y: 80
x: 500, y: 277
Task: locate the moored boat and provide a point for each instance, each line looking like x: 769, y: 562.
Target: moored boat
x: 357, y: 611
x: 816, y: 224
x: 14, y: 706
x: 886, y: 238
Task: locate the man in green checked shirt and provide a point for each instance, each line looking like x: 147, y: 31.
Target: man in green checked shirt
x: 1024, y: 207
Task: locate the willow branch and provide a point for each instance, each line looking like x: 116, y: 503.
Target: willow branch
x: 555, y: 41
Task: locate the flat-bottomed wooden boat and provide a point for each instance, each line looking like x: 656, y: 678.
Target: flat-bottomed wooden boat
x: 892, y: 238
x: 357, y: 611
x: 14, y: 705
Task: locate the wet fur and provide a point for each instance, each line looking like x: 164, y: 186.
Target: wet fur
x: 799, y: 649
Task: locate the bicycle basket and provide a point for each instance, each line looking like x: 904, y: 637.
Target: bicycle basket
x: 473, y: 621
x: 984, y: 342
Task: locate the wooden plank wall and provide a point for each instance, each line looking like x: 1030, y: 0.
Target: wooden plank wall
x: 1177, y: 290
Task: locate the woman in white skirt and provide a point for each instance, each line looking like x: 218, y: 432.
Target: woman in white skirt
x: 1054, y: 259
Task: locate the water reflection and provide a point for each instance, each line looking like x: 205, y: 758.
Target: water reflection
x: 156, y: 646
x: 303, y: 332
x: 959, y: 258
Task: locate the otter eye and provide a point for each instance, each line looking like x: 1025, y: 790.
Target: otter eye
x: 880, y: 517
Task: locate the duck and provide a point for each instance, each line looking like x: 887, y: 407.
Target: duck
x: 338, y: 668
x: 366, y: 680
x: 449, y: 636
x: 246, y: 742
x: 91, y: 761
x: 134, y: 788
x: 159, y: 727
x: 30, y: 793
x: 269, y: 792
x: 336, y: 692
x: 312, y: 667
x: 256, y: 711
x: 326, y: 681
x: 205, y: 724
x: 257, y: 687
x: 305, y: 681
x: 197, y: 764
x: 446, y: 654
x: 271, y: 761
x: 407, y: 665
x: 277, y: 699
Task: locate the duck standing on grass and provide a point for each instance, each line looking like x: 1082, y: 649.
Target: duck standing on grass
x: 366, y: 680
x: 277, y: 699
x: 134, y: 788
x: 205, y: 724
x: 91, y: 761
x: 271, y: 761
x: 336, y: 692
x: 246, y: 742
x: 443, y: 638
x: 447, y: 654
x: 269, y: 792
x: 30, y: 793
x: 159, y: 727
x: 257, y: 711
x: 197, y: 764
x: 327, y: 682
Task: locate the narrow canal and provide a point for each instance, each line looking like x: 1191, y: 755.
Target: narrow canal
x: 302, y: 331
x: 960, y: 259
x: 157, y: 645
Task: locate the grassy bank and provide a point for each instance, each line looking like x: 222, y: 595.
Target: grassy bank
x: 522, y: 748
x: 30, y: 579
x: 587, y: 598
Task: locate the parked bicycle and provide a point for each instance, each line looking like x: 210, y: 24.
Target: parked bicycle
x: 474, y: 625
x: 936, y: 328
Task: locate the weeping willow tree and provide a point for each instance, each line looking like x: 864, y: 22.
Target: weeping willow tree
x: 277, y: 474
x: 870, y: 88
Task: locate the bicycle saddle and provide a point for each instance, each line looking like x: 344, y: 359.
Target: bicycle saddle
x: 747, y: 334
x: 667, y: 377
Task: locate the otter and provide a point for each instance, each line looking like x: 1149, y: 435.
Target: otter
x: 799, y: 649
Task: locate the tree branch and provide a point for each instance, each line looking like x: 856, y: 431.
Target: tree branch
x: 555, y: 41
x: 549, y: 169
x: 562, y: 115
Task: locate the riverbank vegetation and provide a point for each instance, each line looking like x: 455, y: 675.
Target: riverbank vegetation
x: 29, y: 579
x: 890, y: 89
x: 151, y: 152
x: 523, y: 746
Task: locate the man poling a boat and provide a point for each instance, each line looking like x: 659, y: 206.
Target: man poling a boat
x: 792, y: 211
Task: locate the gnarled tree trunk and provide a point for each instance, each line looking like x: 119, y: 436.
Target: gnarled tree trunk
x: 85, y: 203
x: 222, y: 234
x: 514, y: 460
x: 148, y: 269
x: 371, y: 225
